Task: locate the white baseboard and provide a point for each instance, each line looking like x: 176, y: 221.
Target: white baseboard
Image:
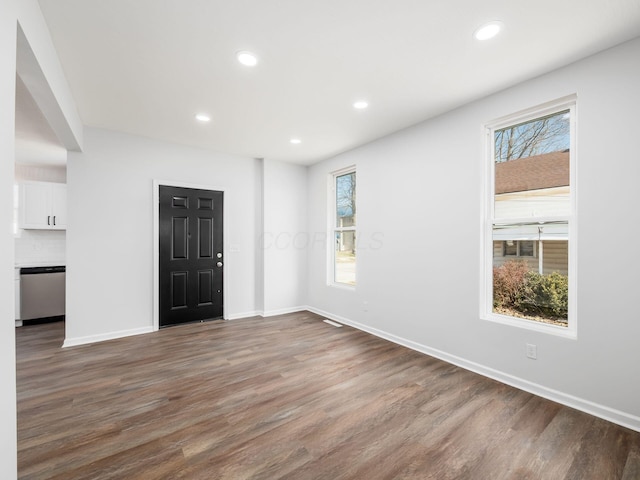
x: 73, y: 342
x: 266, y: 313
x: 283, y: 311
x: 236, y: 316
x: 602, y: 411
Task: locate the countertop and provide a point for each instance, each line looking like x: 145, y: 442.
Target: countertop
x: 40, y: 264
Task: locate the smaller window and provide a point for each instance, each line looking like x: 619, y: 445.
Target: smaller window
x: 525, y: 248
x: 510, y: 248
x: 343, y: 253
x: 519, y: 248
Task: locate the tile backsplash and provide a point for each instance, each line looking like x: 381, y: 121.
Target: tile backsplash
x: 40, y: 246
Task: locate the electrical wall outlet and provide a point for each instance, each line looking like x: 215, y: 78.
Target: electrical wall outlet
x: 532, y: 351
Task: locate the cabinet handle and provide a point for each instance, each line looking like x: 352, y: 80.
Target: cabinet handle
x: 54, y: 219
x: 48, y: 219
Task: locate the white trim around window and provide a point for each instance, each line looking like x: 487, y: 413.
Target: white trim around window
x: 342, y: 229
x: 489, y: 221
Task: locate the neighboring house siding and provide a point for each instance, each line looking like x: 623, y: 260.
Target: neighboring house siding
x: 535, y: 203
x: 499, y: 258
x: 555, y: 255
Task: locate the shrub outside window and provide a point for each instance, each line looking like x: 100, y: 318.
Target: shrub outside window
x: 530, y: 220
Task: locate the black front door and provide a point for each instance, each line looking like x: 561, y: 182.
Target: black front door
x: 190, y: 255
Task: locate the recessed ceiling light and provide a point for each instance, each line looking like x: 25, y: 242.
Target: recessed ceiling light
x: 487, y: 31
x: 203, y: 117
x: 295, y: 141
x: 247, y: 58
x: 360, y: 105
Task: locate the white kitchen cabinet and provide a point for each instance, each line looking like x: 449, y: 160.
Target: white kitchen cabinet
x: 43, y: 205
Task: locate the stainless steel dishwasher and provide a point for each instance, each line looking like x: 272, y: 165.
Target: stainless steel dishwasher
x: 42, y: 292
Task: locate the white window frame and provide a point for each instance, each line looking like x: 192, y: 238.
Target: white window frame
x: 333, y: 229
x: 486, y: 280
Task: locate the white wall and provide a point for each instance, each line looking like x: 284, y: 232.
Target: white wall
x: 8, y: 459
x: 421, y: 283
x: 285, y: 237
x: 27, y: 13
x: 110, y: 229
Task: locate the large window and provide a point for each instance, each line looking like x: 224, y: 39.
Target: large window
x: 344, y: 227
x: 530, y: 219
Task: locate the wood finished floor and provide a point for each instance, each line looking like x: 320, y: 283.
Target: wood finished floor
x: 289, y: 397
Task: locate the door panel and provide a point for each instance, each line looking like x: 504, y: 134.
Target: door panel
x: 179, y: 241
x: 205, y: 237
x: 191, y: 272
x: 205, y: 287
x: 178, y: 290
x: 205, y: 203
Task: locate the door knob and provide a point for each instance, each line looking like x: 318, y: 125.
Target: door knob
x: 219, y: 264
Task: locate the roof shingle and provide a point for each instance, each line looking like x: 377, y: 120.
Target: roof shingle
x: 533, y: 173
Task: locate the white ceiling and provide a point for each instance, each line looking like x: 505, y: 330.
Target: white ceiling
x: 147, y: 67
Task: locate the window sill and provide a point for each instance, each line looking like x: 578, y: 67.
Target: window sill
x: 565, y: 332
x: 343, y: 286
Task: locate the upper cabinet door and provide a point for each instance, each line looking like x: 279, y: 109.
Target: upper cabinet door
x: 35, y: 208
x: 43, y: 205
x: 59, y: 206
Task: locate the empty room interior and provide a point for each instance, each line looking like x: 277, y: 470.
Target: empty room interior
x: 320, y: 240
